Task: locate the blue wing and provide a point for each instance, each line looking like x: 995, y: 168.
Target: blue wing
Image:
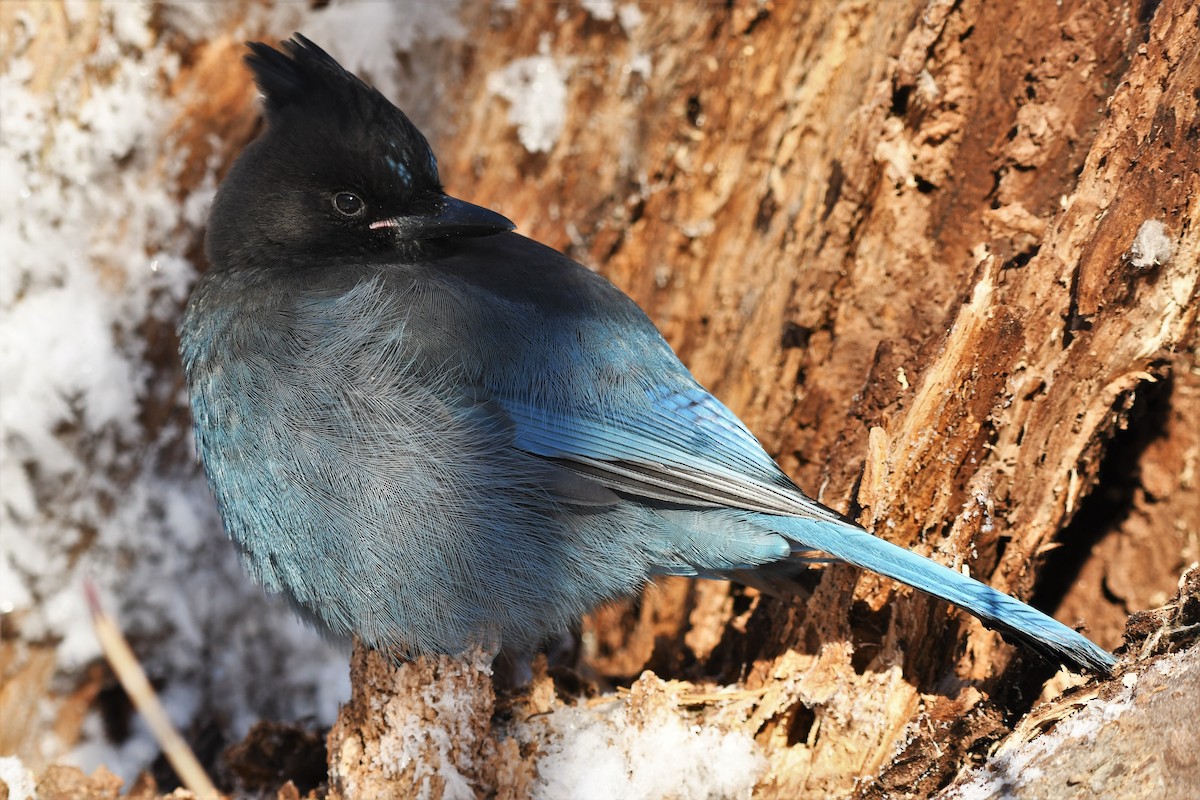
x: 678, y: 444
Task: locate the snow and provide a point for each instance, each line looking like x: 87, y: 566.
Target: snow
x: 628, y: 15
x: 1013, y: 769
x: 537, y: 95
x: 366, y: 36
x: 604, y: 10
x: 604, y: 752
x: 1151, y: 247
x: 18, y: 779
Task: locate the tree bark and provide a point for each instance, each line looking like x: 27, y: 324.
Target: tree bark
x: 896, y: 240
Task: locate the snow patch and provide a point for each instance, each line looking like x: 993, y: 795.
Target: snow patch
x: 1151, y: 247
x: 616, y: 751
x: 17, y: 778
x: 537, y: 95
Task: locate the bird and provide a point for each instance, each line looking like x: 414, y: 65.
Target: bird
x: 432, y: 433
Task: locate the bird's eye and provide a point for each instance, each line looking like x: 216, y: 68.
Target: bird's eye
x: 348, y: 204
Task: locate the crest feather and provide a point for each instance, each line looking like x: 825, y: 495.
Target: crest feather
x: 296, y: 74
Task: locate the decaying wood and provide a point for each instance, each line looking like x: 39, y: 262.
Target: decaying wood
x: 895, y: 240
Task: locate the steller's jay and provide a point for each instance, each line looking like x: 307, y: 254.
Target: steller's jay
x: 429, y: 431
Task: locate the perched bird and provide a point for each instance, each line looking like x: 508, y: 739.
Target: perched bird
x: 429, y: 431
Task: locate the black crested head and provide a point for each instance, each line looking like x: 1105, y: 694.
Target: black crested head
x: 340, y: 172
x: 306, y: 85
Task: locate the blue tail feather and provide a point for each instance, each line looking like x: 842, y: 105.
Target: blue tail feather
x: 995, y: 609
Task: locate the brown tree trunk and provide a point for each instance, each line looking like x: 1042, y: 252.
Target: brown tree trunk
x: 897, y: 239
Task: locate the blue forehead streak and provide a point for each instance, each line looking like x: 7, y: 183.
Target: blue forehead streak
x: 401, y: 169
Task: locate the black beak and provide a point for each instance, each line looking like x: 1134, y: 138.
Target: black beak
x: 452, y: 217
